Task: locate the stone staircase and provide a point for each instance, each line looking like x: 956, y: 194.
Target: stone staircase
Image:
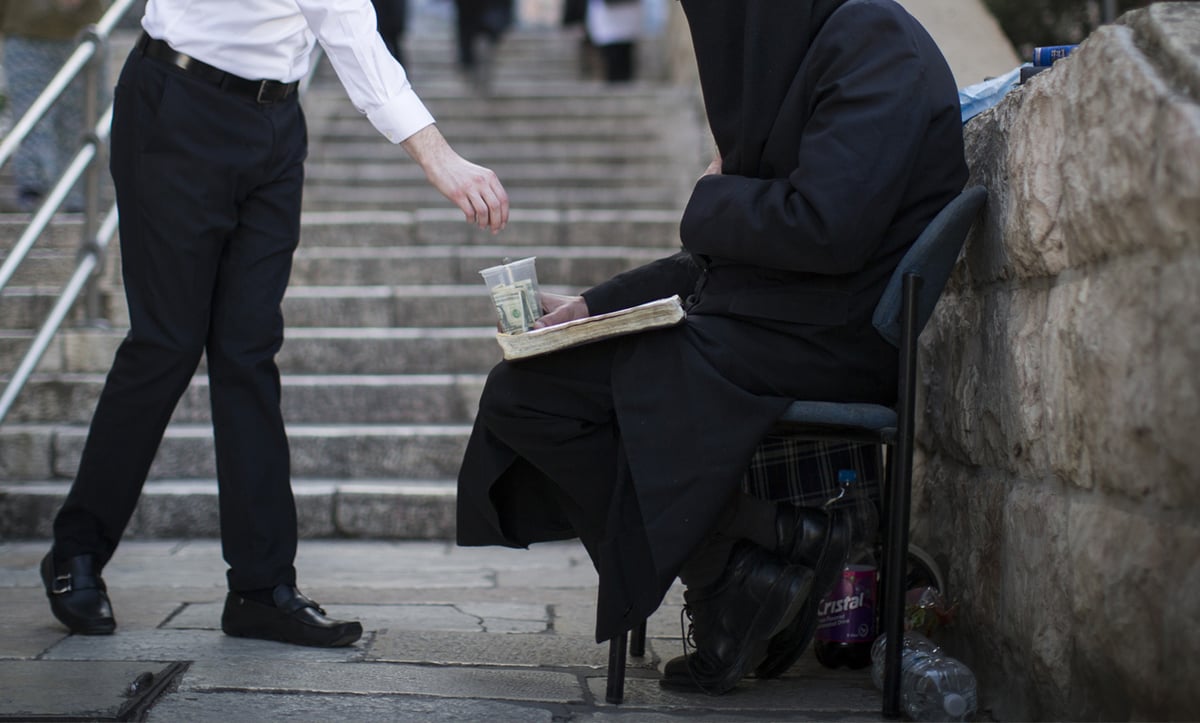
x: 390, y: 329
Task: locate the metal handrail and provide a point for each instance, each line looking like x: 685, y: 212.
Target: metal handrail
x: 93, y: 41
x: 95, y: 239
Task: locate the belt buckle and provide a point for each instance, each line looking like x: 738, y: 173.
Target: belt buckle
x: 262, y: 86
x: 62, y: 585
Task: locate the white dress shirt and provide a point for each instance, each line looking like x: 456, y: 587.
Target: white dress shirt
x: 607, y: 24
x: 274, y: 40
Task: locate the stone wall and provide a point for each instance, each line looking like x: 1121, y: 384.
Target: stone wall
x: 1059, y: 473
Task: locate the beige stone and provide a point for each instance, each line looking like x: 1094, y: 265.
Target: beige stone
x: 1122, y: 581
x: 1059, y: 473
x: 1036, y: 562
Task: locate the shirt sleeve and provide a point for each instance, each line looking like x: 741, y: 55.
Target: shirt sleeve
x: 377, y: 85
x: 868, y: 118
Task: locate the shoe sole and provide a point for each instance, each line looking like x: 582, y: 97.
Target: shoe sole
x: 788, y: 650
x: 348, y: 637
x: 777, y: 612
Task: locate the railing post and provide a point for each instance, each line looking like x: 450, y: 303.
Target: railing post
x: 91, y: 189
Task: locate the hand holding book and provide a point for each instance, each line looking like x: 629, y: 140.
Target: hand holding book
x: 578, y: 330
x: 558, y: 309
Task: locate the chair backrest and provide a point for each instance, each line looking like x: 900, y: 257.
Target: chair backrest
x: 931, y: 257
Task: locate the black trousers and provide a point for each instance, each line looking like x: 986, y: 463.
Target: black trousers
x: 391, y: 18
x: 487, y: 19
x: 618, y: 62
x: 208, y: 188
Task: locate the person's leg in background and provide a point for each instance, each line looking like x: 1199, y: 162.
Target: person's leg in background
x: 391, y: 16
x: 618, y: 62
x: 29, y: 66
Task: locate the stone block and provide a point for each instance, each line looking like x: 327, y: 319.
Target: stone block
x: 1125, y: 578
x: 221, y: 707
x: 379, y: 511
x: 1175, y: 355
x: 357, y: 229
x: 1037, y: 561
x: 27, y: 453
x: 1110, y: 341
x: 74, y: 690
x: 85, y: 350
x: 389, y: 351
x: 27, y: 510
x: 312, y: 676
x: 653, y: 228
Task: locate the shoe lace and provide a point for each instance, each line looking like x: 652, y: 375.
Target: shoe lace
x: 688, y: 637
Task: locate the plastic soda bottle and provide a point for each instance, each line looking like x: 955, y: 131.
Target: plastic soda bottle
x: 846, y: 616
x: 846, y: 620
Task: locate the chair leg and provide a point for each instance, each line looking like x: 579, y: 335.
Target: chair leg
x: 637, y: 644
x: 899, y: 500
x: 615, y: 691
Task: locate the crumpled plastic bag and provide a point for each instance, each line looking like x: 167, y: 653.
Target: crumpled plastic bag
x: 979, y: 97
x: 926, y: 610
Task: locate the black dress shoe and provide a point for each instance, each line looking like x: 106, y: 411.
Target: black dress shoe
x: 78, y: 597
x: 757, y: 596
x: 826, y: 565
x: 801, y: 534
x: 293, y: 619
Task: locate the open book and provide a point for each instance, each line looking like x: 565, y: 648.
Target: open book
x: 651, y: 315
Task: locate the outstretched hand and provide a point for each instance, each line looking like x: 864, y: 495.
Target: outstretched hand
x: 474, y: 189
x: 558, y: 309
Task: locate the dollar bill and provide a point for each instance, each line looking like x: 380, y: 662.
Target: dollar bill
x: 511, y: 308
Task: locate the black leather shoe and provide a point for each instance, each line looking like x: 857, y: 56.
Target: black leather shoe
x: 757, y: 596
x: 78, y: 597
x: 293, y: 619
x: 826, y: 565
x: 801, y: 534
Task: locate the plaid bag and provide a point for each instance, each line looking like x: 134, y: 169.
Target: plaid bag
x: 804, y: 472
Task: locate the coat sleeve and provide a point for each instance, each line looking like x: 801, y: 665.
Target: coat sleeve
x: 675, y: 274
x: 869, y: 113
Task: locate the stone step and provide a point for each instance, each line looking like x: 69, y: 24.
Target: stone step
x: 330, y: 451
x: 564, y: 104
x: 579, y: 266
x: 307, y: 399
x: 181, y: 509
x: 617, y: 129
x: 343, y: 350
x: 528, y: 226
x: 612, y: 172
x: 365, y: 306
x: 587, y: 153
x: 320, y: 197
x: 437, y: 224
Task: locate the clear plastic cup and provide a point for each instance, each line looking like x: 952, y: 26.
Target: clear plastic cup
x: 514, y: 290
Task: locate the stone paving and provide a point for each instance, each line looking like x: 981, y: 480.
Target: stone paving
x: 451, y: 634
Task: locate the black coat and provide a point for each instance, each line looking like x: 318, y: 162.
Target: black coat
x: 838, y: 125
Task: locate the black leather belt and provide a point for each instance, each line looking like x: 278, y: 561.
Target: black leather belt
x: 259, y: 91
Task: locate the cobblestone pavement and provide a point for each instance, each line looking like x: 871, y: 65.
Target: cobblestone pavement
x: 451, y: 634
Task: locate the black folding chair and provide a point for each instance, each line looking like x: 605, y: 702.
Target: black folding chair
x: 905, y: 307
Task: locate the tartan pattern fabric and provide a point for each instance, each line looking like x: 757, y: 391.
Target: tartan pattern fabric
x: 804, y: 472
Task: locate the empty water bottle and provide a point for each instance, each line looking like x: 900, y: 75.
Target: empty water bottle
x: 933, y: 685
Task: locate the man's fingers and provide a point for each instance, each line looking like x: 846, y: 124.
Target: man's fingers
x: 497, y: 207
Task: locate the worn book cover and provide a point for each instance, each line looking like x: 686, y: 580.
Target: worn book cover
x: 651, y: 315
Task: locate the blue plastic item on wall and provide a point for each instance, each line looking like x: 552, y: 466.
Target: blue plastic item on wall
x: 977, y: 98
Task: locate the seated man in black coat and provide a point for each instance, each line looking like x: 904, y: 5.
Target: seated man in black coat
x: 838, y: 139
